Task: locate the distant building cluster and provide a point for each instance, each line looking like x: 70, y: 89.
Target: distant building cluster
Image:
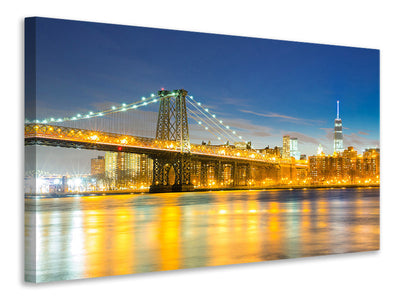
x: 345, y: 167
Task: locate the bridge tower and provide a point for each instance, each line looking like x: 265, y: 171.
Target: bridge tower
x: 171, y: 171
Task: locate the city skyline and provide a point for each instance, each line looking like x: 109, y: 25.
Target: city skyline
x: 272, y: 88
x: 153, y: 150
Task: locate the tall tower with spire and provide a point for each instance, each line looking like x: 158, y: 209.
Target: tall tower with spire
x: 338, y: 137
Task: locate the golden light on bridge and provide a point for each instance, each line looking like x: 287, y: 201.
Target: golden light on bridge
x: 94, y: 137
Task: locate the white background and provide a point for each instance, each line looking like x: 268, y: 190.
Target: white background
x: 371, y: 24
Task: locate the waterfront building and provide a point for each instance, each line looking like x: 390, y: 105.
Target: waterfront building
x: 111, y: 165
x: 271, y: 152
x: 128, y: 170
x: 97, y: 165
x: 242, y: 145
x: 371, y: 159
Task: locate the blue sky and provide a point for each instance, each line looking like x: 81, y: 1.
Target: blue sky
x: 263, y: 88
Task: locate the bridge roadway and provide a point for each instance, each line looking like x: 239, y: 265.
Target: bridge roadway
x: 60, y: 136
x: 166, y: 154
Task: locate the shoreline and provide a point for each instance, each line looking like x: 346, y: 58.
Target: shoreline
x: 133, y: 192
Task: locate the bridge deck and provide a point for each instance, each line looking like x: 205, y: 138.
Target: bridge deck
x: 60, y: 136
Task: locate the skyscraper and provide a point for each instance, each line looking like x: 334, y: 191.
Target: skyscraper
x: 294, y: 149
x: 338, y: 137
x: 286, y: 146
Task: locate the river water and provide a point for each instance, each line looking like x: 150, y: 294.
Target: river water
x: 92, y: 236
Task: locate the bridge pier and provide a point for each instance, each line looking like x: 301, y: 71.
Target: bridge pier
x: 171, y: 174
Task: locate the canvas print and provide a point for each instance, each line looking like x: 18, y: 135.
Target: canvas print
x: 151, y: 150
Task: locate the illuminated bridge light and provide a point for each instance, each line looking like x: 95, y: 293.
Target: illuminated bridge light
x: 206, y: 128
x: 220, y: 121
x: 214, y: 116
x: 91, y: 113
x: 234, y: 132
x: 134, y: 107
x: 198, y: 103
x: 123, y: 109
x: 123, y: 104
x: 144, y: 103
x: 219, y: 138
x: 100, y: 114
x: 191, y: 97
x: 152, y: 95
x: 113, y: 107
x: 52, y: 119
x: 199, y: 122
x: 73, y: 118
x: 240, y: 137
x: 206, y: 109
x: 143, y: 98
x: 59, y: 120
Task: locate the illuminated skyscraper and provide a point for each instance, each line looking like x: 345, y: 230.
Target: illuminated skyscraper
x: 338, y: 138
x: 286, y: 146
x: 320, y: 150
x: 294, y: 148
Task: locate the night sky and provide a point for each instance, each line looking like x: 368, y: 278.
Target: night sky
x: 262, y: 88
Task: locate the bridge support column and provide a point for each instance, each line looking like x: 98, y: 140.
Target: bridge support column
x: 182, y: 173
x: 203, y: 174
x: 235, y: 173
x: 218, y: 173
x: 175, y: 180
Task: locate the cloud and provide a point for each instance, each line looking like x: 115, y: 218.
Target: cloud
x: 303, y: 139
x: 363, y: 133
x: 359, y: 142
x: 282, y: 117
x: 235, y: 101
x: 329, y: 133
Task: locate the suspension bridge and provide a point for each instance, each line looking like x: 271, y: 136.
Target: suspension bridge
x: 176, y: 161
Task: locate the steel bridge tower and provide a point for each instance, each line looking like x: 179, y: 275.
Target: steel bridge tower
x: 171, y: 171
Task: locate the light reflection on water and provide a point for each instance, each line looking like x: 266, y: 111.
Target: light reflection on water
x: 81, y: 237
